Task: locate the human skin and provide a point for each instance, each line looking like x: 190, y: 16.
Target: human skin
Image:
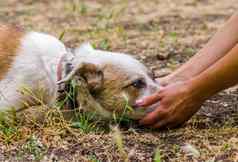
x: 187, y: 88
x: 218, y: 46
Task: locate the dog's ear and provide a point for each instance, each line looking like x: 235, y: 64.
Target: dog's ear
x: 91, y: 73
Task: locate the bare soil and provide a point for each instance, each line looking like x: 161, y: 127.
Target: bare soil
x: 163, y: 34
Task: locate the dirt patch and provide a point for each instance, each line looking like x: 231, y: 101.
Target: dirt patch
x: 161, y: 33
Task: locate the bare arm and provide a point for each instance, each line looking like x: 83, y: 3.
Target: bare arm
x: 221, y: 43
x: 223, y: 74
x: 180, y: 100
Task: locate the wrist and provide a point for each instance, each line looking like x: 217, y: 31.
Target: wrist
x: 198, y: 89
x: 172, y: 78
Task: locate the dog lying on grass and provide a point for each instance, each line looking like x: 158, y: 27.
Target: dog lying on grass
x: 37, y: 68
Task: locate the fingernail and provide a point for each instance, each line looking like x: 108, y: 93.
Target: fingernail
x: 139, y: 102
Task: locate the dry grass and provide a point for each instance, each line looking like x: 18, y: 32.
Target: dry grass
x: 161, y: 33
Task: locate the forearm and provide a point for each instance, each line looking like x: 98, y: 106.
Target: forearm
x: 220, y: 44
x: 221, y: 75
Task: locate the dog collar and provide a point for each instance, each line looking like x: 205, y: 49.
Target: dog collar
x: 59, y: 69
x: 64, y: 65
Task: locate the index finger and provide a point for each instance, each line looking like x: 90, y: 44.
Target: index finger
x: 149, y: 100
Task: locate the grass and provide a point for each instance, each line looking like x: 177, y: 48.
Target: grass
x: 84, y: 122
x: 93, y: 158
x: 157, y: 157
x: 35, y: 148
x: 8, y: 133
x: 76, y: 7
x: 173, y: 36
x: 118, y: 139
x: 104, y: 44
x: 68, y: 96
x: 114, y: 25
x: 9, y: 127
x: 123, y: 117
x: 62, y: 34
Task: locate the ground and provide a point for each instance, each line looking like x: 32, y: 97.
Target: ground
x: 162, y: 34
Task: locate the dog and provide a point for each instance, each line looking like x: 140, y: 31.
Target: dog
x: 35, y: 67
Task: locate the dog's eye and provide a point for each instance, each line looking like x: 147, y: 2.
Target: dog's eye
x: 139, y: 83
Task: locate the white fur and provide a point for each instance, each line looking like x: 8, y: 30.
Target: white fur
x: 124, y: 62
x: 35, y: 67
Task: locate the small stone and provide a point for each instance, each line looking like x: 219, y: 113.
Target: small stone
x: 162, y: 56
x: 191, y: 150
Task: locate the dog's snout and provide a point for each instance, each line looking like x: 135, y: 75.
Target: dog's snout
x: 153, y: 88
x: 156, y: 80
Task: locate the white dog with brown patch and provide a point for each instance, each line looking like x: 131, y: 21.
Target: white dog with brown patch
x: 39, y: 62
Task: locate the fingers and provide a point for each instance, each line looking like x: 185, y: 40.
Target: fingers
x: 159, y: 118
x: 149, y: 100
x: 161, y: 124
x: 153, y: 117
x: 167, y: 124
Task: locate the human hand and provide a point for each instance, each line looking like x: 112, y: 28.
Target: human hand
x: 170, y: 79
x: 177, y: 104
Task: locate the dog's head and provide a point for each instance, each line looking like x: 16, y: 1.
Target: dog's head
x: 115, y: 80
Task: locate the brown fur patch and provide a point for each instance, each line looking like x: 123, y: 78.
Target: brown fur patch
x: 112, y: 96
x: 10, y: 37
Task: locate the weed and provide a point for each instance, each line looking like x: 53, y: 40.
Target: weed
x: 35, y: 97
x: 8, y: 127
x: 61, y: 36
x: 77, y: 7
x: 226, y: 147
x: 176, y: 148
x: 120, y: 30
x: 117, y: 137
x: 157, y: 157
x: 173, y: 36
x: 123, y: 117
x: 68, y: 96
x: 34, y: 147
x: 93, y: 158
x: 83, y: 9
x: 104, y: 44
x: 84, y: 122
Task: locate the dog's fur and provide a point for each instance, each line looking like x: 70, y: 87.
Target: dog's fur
x: 29, y: 62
